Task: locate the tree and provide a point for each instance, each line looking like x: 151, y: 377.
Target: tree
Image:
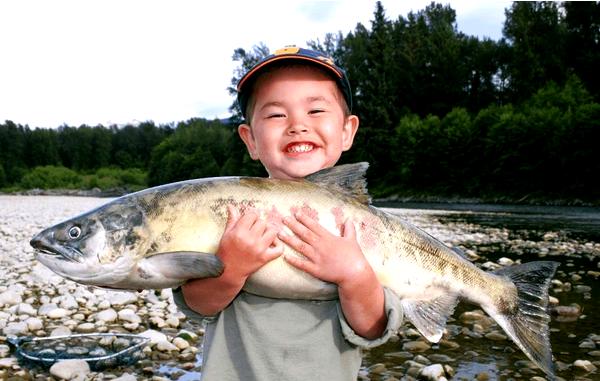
x: 582, y: 22
x: 247, y: 60
x: 537, y: 37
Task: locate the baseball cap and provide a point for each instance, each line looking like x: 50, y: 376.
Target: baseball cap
x: 244, y: 86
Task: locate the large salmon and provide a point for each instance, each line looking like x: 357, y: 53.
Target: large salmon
x: 161, y: 237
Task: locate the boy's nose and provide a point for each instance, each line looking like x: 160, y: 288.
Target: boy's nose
x: 297, y: 127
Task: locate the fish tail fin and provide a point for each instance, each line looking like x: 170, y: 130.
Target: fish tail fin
x: 527, y: 324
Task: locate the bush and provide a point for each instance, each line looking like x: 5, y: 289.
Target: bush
x: 51, y: 177
x: 110, y: 178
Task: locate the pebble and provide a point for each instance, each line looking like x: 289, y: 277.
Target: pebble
x: 415, y: 346
x: 128, y: 315
x: 8, y: 362
x: 180, y: 343
x: 108, y: 315
x: 585, y: 365
x: 70, y: 369
x: 433, y: 372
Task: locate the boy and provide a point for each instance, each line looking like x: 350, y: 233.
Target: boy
x: 297, y: 104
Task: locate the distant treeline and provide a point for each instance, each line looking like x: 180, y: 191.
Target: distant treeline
x: 441, y: 112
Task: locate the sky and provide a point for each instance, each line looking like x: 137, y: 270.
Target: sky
x: 74, y: 62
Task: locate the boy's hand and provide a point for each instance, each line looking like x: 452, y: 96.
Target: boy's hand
x: 248, y: 243
x: 328, y: 257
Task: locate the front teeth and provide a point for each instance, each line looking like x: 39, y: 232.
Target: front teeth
x: 300, y: 148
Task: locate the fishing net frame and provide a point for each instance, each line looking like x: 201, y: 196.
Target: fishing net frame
x: 112, y: 349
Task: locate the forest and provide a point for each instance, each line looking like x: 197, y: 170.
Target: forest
x: 443, y: 114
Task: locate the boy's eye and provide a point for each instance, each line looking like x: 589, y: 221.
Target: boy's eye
x: 315, y: 111
x: 271, y: 116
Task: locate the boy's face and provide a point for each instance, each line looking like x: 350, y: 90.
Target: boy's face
x: 298, y: 125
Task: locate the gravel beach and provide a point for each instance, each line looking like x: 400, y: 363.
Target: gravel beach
x: 36, y: 302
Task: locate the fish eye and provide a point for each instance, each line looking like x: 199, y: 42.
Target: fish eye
x: 74, y: 232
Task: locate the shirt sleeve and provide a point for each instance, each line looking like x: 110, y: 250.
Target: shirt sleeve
x: 187, y: 311
x: 395, y: 316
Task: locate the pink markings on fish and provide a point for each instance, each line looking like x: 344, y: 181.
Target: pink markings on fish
x: 338, y: 213
x: 274, y: 218
x: 306, y: 210
x: 368, y: 232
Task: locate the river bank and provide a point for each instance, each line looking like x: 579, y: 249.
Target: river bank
x: 406, y: 199
x: 34, y: 301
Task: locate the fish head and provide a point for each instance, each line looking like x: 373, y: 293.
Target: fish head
x: 99, y: 247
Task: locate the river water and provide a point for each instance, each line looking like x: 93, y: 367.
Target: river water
x: 569, y: 235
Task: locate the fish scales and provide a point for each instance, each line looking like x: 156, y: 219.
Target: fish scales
x: 164, y: 236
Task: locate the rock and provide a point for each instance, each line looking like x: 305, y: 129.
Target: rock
x: 422, y: 360
x: 86, y: 328
x: 587, y: 344
x: 68, y: 302
x: 108, y: 315
x: 496, y: 336
x: 180, y: 343
x: 121, y: 298
x: 439, y: 358
x: 126, y: 377
x: 471, y: 316
x: 10, y: 297
x: 165, y: 346
x: 415, y: 346
x: 4, y: 350
x: 580, y: 288
x: 15, y: 329
x: 505, y: 261
x: 61, y: 331
x: 585, y: 365
x: 154, y: 336
x: 8, y: 362
x: 129, y: 316
x: 34, y: 324
x: 377, y: 368
x: 26, y: 309
x: 70, y: 369
x: 433, y: 372
x: 188, y: 335
x: 58, y: 313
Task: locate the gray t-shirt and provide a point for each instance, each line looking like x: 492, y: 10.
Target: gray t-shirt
x: 258, y: 338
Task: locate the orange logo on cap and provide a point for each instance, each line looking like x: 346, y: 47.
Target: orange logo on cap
x: 287, y: 50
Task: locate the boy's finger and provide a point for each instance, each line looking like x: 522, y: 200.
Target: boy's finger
x: 258, y: 227
x: 310, y: 223
x: 349, y: 229
x: 301, y: 230
x: 299, y: 263
x: 232, y: 216
x: 275, y: 249
x: 247, y: 220
x: 297, y: 244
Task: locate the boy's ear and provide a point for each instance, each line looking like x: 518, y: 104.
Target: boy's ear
x: 349, y: 131
x: 245, y: 132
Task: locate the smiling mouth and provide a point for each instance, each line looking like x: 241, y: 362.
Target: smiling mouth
x: 299, y: 147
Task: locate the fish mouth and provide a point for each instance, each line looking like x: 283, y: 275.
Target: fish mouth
x: 56, y: 251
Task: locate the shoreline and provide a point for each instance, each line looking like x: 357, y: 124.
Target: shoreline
x: 394, y: 199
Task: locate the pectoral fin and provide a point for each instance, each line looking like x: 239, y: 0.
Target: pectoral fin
x: 430, y: 316
x: 186, y: 264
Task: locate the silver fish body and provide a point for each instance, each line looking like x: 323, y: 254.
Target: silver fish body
x: 163, y: 236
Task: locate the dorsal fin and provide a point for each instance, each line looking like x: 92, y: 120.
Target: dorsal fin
x: 348, y: 179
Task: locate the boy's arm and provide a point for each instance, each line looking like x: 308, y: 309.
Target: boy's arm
x: 248, y: 242
x: 361, y: 295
